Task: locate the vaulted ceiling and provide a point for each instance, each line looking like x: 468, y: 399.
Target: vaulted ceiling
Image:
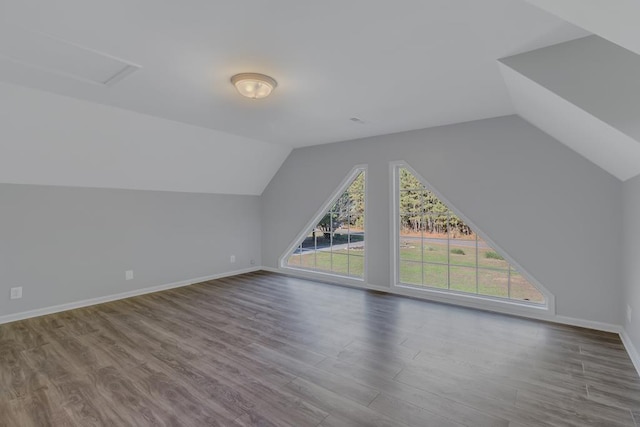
x: 586, y: 94
x: 396, y: 65
x: 616, y: 21
x: 163, y: 70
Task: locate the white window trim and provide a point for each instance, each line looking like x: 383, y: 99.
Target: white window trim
x: 338, y: 278
x: 453, y: 297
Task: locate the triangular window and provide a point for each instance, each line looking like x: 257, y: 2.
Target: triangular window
x: 335, y: 242
x: 438, y: 250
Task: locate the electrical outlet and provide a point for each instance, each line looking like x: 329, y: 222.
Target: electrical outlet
x: 16, y: 293
x: 128, y: 275
x: 252, y: 262
x: 629, y: 312
x: 232, y: 259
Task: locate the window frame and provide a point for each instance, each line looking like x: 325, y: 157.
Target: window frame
x: 448, y: 295
x: 336, y: 277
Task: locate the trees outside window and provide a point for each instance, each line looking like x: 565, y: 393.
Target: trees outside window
x: 336, y: 243
x: 438, y: 250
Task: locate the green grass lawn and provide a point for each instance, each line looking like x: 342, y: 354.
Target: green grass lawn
x: 349, y: 263
x: 434, y: 251
x: 424, y: 264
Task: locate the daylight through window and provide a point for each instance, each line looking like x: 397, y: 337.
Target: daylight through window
x: 438, y: 250
x: 336, y: 243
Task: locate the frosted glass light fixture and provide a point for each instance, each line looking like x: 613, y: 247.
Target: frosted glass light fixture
x: 254, y: 85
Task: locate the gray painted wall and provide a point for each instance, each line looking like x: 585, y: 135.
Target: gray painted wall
x: 631, y: 248
x: 555, y: 213
x: 67, y: 244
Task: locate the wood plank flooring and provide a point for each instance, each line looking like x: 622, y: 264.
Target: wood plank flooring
x: 269, y: 350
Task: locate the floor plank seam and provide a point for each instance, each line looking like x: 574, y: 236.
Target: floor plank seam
x: 587, y: 388
x: 320, y: 361
x: 374, y: 398
x: 325, y: 357
x: 323, y: 420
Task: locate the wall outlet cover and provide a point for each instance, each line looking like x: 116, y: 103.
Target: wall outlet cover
x: 16, y: 293
x: 128, y: 275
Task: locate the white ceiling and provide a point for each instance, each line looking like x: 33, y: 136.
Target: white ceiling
x: 48, y: 139
x: 615, y: 20
x: 398, y: 65
x: 586, y: 134
x: 586, y: 94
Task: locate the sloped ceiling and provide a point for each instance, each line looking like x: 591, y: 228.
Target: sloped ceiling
x: 616, y: 21
x: 54, y: 140
x: 176, y: 123
x: 585, y: 93
x: 396, y: 65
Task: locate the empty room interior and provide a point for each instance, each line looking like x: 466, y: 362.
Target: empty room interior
x: 340, y: 213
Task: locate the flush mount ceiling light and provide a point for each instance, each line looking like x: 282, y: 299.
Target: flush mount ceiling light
x: 254, y: 85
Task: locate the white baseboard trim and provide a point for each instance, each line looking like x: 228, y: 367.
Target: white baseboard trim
x: 329, y: 278
x: 588, y: 324
x: 108, y: 298
x: 564, y: 320
x: 516, y: 311
x: 600, y: 326
x: 631, y: 349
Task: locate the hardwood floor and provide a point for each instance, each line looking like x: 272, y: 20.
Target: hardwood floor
x: 264, y: 349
